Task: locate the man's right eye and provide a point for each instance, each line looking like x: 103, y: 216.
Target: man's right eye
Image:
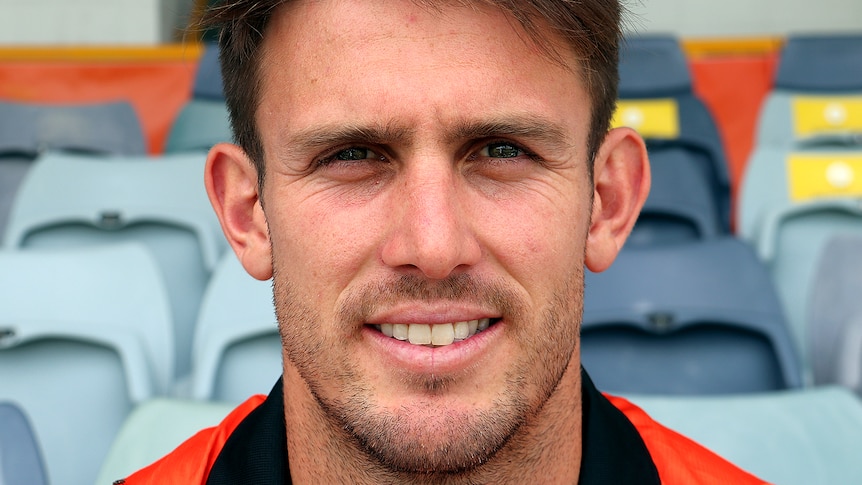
x: 355, y: 154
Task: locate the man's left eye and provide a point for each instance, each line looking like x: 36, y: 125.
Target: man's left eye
x: 501, y: 150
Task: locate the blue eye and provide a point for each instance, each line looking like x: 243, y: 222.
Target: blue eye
x: 501, y: 150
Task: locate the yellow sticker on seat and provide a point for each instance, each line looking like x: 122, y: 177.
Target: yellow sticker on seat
x: 652, y: 118
x: 826, y: 115
x: 814, y: 176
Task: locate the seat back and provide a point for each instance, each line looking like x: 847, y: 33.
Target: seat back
x: 834, y: 330
x: 84, y: 335
x: 153, y: 429
x: 821, y: 63
x: 237, y: 349
x: 20, y: 457
x: 27, y: 129
x: 200, y: 125
x: 653, y: 66
x: 680, y: 206
x: 208, y: 80
x: 159, y: 201
x: 798, y: 437
x: 695, y: 318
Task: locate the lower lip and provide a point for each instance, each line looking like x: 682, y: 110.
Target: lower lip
x: 447, y: 359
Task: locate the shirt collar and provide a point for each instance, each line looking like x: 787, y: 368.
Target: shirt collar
x: 613, y: 451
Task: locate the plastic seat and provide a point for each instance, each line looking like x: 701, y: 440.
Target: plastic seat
x: 801, y: 437
x: 834, y: 326
x: 28, y: 129
x: 792, y: 120
x: 653, y: 66
x: 208, y: 80
x: 204, y: 120
x: 200, y: 125
x: 159, y: 201
x: 679, y: 207
x: 237, y: 349
x: 695, y: 318
x: 791, y: 205
x: 821, y: 63
x: 153, y: 429
x: 84, y: 335
x: 20, y: 457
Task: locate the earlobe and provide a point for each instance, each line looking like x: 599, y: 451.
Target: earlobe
x: 231, y: 183
x: 621, y: 180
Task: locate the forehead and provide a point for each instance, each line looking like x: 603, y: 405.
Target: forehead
x: 351, y: 57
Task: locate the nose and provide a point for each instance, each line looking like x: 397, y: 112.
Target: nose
x: 432, y: 230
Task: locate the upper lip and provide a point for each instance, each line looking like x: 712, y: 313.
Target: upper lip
x: 431, y: 313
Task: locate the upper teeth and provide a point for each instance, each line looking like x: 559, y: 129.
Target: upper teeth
x: 439, y: 334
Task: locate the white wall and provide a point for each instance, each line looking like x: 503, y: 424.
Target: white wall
x: 86, y: 22
x: 154, y: 21
x: 741, y: 18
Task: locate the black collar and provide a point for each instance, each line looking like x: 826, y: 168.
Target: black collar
x: 613, y: 451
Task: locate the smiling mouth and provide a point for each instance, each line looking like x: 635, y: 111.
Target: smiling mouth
x: 438, y: 335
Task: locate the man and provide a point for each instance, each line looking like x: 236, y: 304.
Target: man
x: 425, y: 182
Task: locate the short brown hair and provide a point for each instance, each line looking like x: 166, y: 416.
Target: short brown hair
x: 592, y: 29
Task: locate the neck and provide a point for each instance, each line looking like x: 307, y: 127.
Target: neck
x: 547, y: 445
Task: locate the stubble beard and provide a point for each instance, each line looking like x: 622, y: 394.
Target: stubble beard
x: 424, y: 441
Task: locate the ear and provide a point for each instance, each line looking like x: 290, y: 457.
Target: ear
x: 621, y: 179
x: 231, y: 182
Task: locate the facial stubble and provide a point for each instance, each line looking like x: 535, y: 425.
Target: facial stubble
x: 424, y: 439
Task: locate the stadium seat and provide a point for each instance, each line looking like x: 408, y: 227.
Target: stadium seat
x: 208, y: 81
x: 237, y: 349
x: 29, y: 129
x: 800, y: 437
x: 679, y: 207
x: 694, y: 318
x: 653, y: 66
x: 204, y: 120
x: 200, y: 125
x: 834, y: 325
x: 798, y: 121
x: 683, y: 122
x: 657, y: 100
x: 84, y: 335
x: 821, y: 63
x: 20, y: 457
x: 153, y: 429
x: 791, y: 204
x: 159, y: 201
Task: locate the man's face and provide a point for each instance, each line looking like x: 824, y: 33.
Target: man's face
x: 428, y: 202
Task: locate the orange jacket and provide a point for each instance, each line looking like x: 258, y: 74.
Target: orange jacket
x: 678, y: 459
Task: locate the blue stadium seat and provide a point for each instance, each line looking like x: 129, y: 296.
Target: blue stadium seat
x: 20, y: 457
x: 28, y: 129
x: 237, y: 349
x: 834, y: 326
x: 208, y: 81
x: 656, y: 98
x: 653, y: 66
x: 791, y: 204
x: 800, y: 437
x: 694, y: 318
x: 159, y: 201
x: 821, y: 63
x: 84, y: 336
x: 680, y: 206
x: 200, y: 125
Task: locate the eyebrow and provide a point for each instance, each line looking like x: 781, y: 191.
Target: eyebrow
x: 329, y: 135
x: 530, y: 128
